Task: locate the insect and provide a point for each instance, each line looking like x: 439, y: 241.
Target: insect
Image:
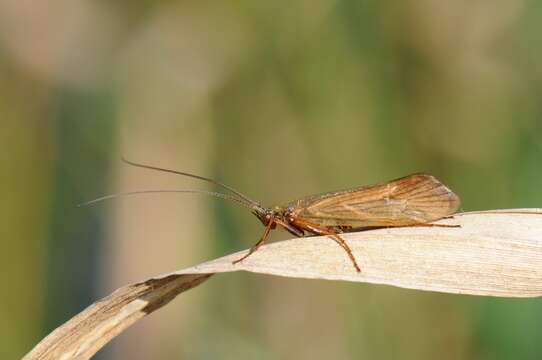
x: 413, y: 200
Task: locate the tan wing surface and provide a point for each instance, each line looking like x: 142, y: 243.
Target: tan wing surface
x: 414, y: 199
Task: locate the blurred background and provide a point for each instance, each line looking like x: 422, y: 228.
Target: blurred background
x: 279, y: 100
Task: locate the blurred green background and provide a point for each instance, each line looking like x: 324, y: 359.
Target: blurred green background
x: 280, y: 100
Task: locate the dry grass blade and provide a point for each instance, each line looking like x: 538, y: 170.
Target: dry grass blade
x: 496, y: 253
x: 86, y: 333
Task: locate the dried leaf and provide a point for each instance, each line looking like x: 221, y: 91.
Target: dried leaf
x: 495, y: 253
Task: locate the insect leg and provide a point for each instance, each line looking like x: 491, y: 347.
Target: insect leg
x: 294, y: 230
x: 436, y: 225
x: 315, y: 229
x: 259, y: 243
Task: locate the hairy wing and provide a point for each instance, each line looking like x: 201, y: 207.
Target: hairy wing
x: 414, y: 199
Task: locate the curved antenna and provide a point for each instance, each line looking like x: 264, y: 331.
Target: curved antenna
x: 211, y: 193
x: 244, y: 197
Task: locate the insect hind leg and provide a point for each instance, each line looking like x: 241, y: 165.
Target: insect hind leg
x: 436, y: 225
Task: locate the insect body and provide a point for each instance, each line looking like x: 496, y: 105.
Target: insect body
x: 417, y: 199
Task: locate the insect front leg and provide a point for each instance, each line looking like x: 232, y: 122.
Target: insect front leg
x: 256, y: 246
x: 318, y: 230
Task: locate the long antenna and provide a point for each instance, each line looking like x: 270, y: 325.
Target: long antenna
x: 211, y: 193
x: 244, y: 197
